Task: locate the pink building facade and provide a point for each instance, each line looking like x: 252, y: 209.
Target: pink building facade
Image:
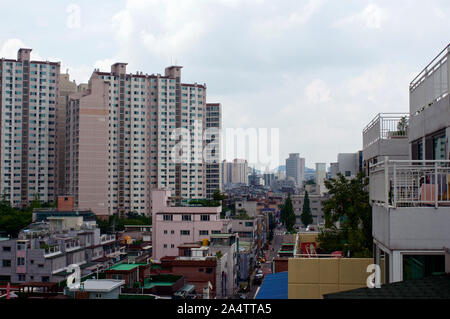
x: 87, y: 148
x: 174, y: 226
x: 129, y: 123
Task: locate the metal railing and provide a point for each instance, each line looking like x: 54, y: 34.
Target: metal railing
x: 431, y: 84
x: 384, y: 126
x: 106, y: 238
x: 52, y: 250
x: 410, y: 183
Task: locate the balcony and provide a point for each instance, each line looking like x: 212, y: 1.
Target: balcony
x: 411, y: 204
x: 386, y: 135
x: 52, y: 251
x: 408, y: 183
x: 106, y: 238
x: 72, y: 245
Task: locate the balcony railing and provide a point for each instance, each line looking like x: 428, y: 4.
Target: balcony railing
x: 51, y: 251
x: 384, y: 126
x: 106, y: 238
x: 410, y: 183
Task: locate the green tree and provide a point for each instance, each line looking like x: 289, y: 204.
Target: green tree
x: 13, y: 220
x: 306, y: 215
x: 35, y: 203
x: 287, y: 214
x: 349, y: 205
x: 402, y: 125
x: 219, y: 196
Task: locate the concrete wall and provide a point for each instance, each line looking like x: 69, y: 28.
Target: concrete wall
x: 432, y: 119
x: 412, y: 227
x: 311, y: 278
x: 348, y: 162
x: 397, y: 148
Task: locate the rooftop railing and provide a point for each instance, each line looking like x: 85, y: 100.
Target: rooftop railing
x: 385, y: 126
x: 107, y: 237
x: 51, y: 251
x: 431, y: 84
x: 410, y: 183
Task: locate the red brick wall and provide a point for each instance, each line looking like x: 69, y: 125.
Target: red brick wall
x: 195, y: 277
x: 66, y: 203
x: 281, y: 265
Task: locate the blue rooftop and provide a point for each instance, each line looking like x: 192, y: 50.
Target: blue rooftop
x: 274, y: 286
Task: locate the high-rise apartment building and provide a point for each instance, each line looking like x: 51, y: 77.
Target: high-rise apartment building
x: 29, y: 97
x: 295, y: 168
x: 153, y: 128
x: 213, y: 138
x: 66, y: 87
x: 235, y: 172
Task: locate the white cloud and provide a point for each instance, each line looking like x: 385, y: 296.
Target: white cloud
x: 372, y: 17
x: 318, y: 92
x: 273, y: 25
x: 11, y: 46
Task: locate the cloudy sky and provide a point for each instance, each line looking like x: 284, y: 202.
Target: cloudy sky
x: 318, y: 70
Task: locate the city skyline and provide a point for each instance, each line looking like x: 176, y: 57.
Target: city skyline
x: 314, y: 85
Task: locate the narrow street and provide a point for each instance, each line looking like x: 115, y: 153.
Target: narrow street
x: 270, y: 254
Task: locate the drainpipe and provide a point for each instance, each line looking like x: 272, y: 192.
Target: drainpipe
x: 386, y: 182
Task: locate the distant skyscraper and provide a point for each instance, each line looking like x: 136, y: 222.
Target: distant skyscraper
x: 226, y: 173
x: 235, y: 172
x: 29, y: 97
x: 295, y: 168
x: 321, y: 176
x: 240, y: 171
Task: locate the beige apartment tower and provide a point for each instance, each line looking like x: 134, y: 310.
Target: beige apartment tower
x: 130, y: 133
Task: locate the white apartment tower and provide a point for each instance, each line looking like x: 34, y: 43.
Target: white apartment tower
x: 29, y: 94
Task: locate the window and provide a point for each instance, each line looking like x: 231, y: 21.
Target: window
x: 185, y: 232
x: 45, y: 279
x: 6, y: 248
x: 20, y: 261
x: 204, y: 217
x: 203, y: 232
x: 348, y: 173
x: 98, y: 296
x: 6, y: 263
x: 208, y: 270
x: 186, y: 217
x: 167, y: 217
x: 21, y: 277
x: 420, y: 266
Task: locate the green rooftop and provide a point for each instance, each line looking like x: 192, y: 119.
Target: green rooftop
x: 125, y: 266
